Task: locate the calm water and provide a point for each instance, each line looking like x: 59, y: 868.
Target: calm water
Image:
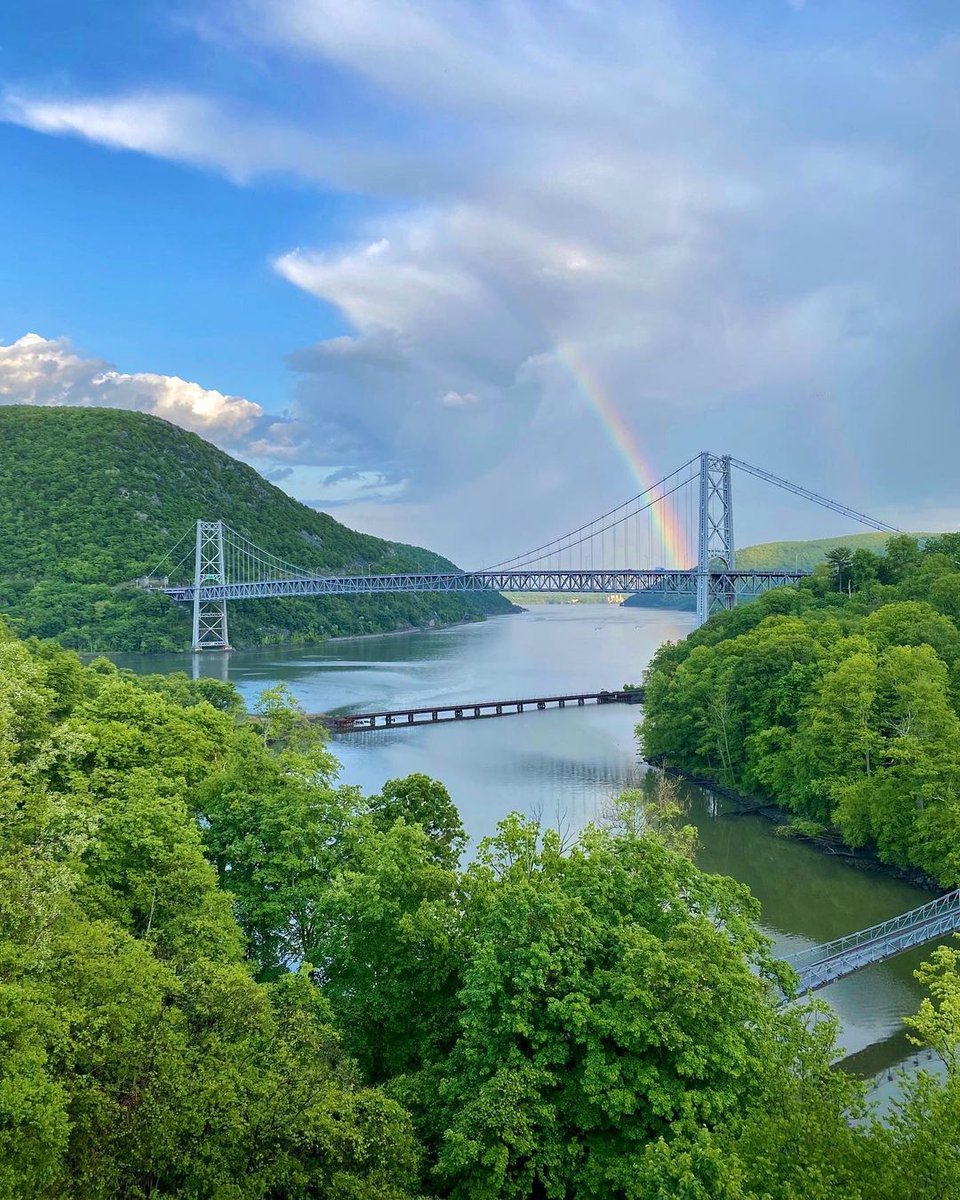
x: 564, y: 764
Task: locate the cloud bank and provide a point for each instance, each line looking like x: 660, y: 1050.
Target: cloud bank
x: 48, y: 371
x: 742, y: 234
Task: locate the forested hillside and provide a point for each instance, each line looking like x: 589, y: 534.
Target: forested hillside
x: 597, y: 1019
x: 92, y: 498
x: 838, y: 699
x: 805, y: 555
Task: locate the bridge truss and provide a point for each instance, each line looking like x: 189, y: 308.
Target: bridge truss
x: 676, y: 538
x: 614, y: 582
x: 822, y: 965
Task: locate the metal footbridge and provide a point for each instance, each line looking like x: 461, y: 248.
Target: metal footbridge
x: 819, y: 966
x: 675, y: 538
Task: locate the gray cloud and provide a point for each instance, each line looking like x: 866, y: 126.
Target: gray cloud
x: 380, y: 348
x: 344, y: 475
x: 726, y: 267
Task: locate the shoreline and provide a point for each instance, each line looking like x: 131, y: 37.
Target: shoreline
x: 345, y: 637
x: 362, y: 637
x: 862, y: 859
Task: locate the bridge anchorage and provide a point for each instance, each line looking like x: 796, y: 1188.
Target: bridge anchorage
x: 686, y: 520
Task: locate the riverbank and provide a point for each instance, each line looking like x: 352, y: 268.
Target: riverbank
x: 307, y: 647
x: 863, y: 858
x: 406, y: 631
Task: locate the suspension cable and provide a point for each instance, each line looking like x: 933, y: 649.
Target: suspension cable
x: 514, y: 564
x: 824, y: 501
x: 169, y: 553
x: 264, y: 558
x: 548, y: 547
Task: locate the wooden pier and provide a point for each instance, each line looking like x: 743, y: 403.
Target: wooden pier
x: 474, y: 710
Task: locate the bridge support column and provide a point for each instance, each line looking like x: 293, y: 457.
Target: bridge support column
x: 716, y: 549
x: 209, y: 616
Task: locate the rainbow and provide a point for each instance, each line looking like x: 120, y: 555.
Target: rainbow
x: 675, y: 541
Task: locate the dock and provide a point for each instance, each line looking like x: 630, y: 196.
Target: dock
x: 473, y: 710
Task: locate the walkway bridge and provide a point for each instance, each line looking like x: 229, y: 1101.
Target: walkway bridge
x: 469, y: 710
x: 675, y: 538
x: 822, y: 965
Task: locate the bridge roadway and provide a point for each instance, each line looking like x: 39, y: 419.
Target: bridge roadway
x: 742, y: 584
x: 825, y: 964
x: 473, y: 710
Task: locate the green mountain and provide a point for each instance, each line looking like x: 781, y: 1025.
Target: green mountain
x: 92, y: 498
x: 804, y: 556
x: 777, y: 556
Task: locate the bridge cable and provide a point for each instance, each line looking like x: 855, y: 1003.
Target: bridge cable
x: 824, y: 501
x: 251, y: 552
x: 514, y: 564
x: 564, y: 538
x: 168, y: 554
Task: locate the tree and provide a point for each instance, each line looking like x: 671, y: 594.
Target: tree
x: 919, y: 1140
x: 138, y: 1054
x: 388, y: 953
x: 840, y: 562
x: 902, y: 556
x: 913, y: 623
x: 657, y: 808
x: 864, y: 568
x: 420, y: 800
x: 607, y: 1002
x: 276, y: 836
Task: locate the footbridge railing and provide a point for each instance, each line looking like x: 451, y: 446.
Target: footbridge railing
x: 825, y: 964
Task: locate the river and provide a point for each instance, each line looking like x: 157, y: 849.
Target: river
x: 564, y: 764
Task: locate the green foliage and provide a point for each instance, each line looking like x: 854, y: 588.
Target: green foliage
x: 842, y: 708
x: 840, y: 562
x: 420, y: 800
x: 90, y: 499
x: 918, y: 1142
x: 860, y: 559
x: 223, y: 974
x: 138, y: 1054
x: 590, y: 1007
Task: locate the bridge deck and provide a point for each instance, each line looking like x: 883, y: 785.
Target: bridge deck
x: 825, y: 964
x: 472, y: 710
x: 627, y: 580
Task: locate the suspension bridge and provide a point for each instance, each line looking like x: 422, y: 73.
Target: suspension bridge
x: 686, y: 517
x: 675, y: 538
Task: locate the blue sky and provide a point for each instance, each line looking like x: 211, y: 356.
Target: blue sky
x: 359, y: 243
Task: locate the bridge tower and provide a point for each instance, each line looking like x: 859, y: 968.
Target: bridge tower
x: 209, y: 616
x: 715, y: 550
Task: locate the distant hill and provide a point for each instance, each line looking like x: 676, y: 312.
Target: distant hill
x: 777, y: 556
x: 804, y: 556
x: 90, y: 498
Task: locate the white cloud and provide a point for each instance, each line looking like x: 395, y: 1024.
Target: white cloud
x: 238, y: 141
x: 48, y: 371
x: 458, y: 399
